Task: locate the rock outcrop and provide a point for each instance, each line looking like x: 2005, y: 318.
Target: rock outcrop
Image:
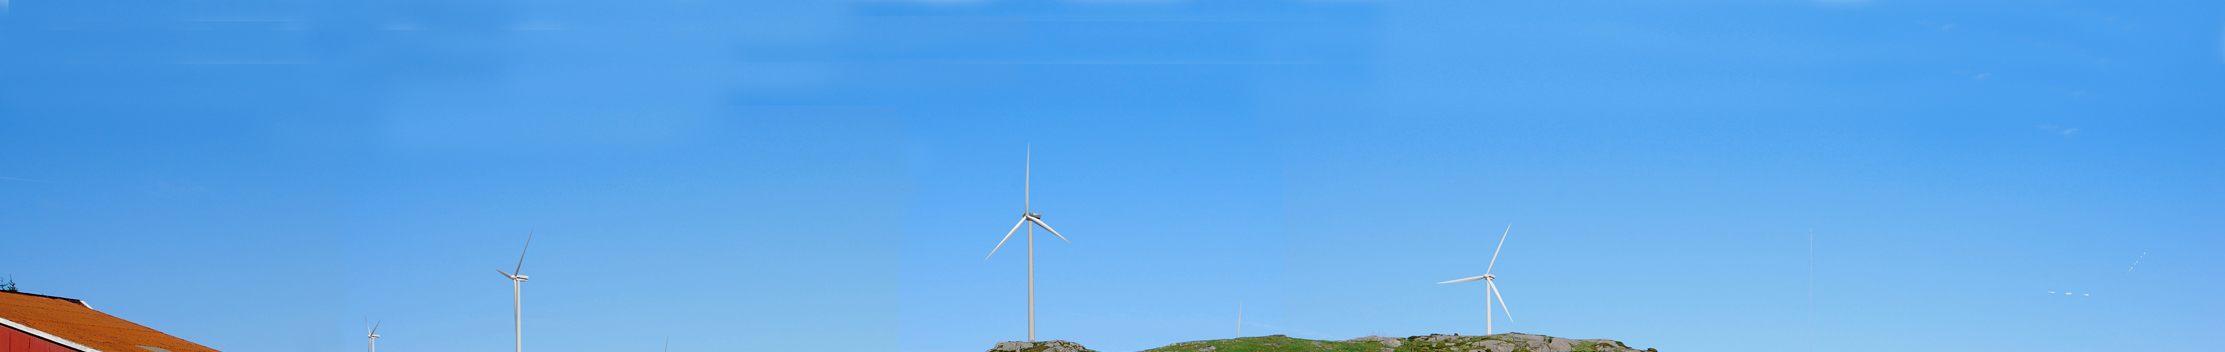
x: 1040, y: 346
x: 1386, y: 341
x: 1508, y: 342
x: 1512, y: 342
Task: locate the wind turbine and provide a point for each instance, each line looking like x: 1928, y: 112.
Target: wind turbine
x: 1491, y: 289
x: 374, y: 335
x: 517, y: 297
x: 1026, y: 217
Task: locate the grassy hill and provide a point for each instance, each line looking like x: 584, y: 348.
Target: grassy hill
x: 1508, y: 342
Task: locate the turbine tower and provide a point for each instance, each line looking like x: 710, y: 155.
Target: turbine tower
x: 374, y: 335
x: 517, y: 296
x: 1491, y: 290
x: 1026, y: 217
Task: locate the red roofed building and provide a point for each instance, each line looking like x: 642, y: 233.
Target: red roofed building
x: 38, y: 323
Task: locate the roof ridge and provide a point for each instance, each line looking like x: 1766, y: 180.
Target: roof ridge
x: 72, y: 300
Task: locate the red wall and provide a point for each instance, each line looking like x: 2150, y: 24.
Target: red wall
x: 12, y: 340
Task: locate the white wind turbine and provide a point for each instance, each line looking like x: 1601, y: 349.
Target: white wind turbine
x: 374, y: 334
x: 1491, y: 289
x: 1027, y: 217
x: 517, y: 297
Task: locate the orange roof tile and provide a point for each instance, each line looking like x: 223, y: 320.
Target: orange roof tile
x: 70, y: 320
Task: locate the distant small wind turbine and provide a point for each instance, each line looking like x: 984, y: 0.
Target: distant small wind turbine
x: 1027, y: 216
x: 517, y: 294
x: 1239, y: 319
x: 374, y: 334
x: 1491, y: 289
x: 2136, y: 262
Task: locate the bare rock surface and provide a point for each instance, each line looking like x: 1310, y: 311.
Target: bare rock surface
x: 1512, y: 342
x: 1039, y: 346
x: 1387, y: 341
x: 1508, y: 342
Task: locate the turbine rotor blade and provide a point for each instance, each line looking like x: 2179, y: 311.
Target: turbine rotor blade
x: 1007, y: 237
x: 521, y: 253
x: 1502, y: 300
x: 1495, y: 251
x: 1039, y: 222
x: 1027, y: 179
x: 1463, y: 280
x: 375, y: 327
x: 506, y: 275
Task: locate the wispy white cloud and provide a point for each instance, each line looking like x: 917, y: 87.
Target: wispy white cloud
x: 1125, y: 1
x: 2065, y: 131
x: 535, y: 26
x: 947, y: 2
x: 241, y: 19
x: 243, y: 62
x: 166, y: 188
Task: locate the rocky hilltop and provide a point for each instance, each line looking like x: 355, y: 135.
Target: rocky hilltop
x: 1508, y: 342
x: 1039, y: 346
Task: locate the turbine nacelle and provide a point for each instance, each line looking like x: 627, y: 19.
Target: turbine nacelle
x: 372, y: 331
x: 1025, y: 220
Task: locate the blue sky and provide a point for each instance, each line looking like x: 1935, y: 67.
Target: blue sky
x: 261, y: 176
